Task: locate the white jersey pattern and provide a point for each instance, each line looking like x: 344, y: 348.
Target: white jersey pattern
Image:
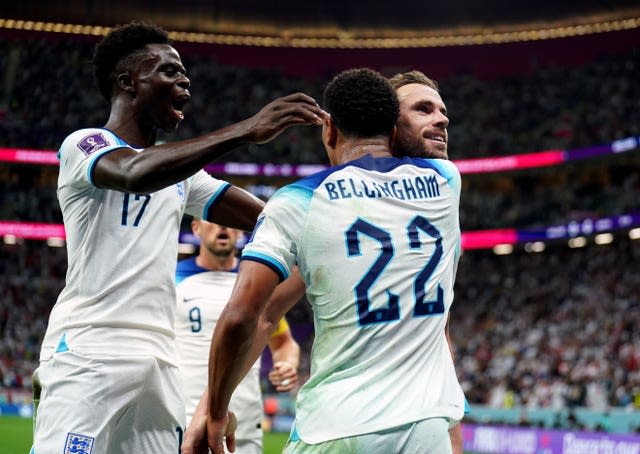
x: 377, y: 241
x: 119, y: 296
x: 201, y: 297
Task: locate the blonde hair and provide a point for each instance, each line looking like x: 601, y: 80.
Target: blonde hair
x: 412, y: 77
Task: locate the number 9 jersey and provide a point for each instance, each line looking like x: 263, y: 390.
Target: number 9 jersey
x: 377, y: 242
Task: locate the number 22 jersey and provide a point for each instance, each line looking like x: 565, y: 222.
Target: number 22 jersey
x: 377, y: 241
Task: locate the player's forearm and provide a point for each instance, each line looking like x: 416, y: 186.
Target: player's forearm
x: 231, y: 346
x: 455, y: 435
x: 258, y: 343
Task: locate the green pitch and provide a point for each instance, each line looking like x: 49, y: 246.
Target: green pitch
x: 16, y: 434
x: 16, y: 437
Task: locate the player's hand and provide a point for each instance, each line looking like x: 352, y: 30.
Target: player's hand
x: 283, y: 376
x: 275, y: 117
x: 222, y: 430
x: 195, y: 438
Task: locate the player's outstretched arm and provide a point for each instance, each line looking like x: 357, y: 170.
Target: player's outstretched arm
x: 162, y: 165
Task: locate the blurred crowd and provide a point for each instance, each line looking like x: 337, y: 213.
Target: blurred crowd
x: 49, y: 92
x: 31, y: 277
x: 556, y: 329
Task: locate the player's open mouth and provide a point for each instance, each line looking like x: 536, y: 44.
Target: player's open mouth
x: 178, y: 107
x: 177, y: 112
x: 437, y: 139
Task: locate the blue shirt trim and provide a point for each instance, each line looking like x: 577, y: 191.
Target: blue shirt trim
x: 62, y: 345
x: 119, y: 144
x: 214, y: 199
x: 188, y: 267
x: 272, y: 263
x: 467, y: 408
x: 94, y: 161
x: 293, y: 435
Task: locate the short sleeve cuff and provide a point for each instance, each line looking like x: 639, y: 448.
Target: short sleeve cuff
x: 215, y: 198
x: 269, y: 261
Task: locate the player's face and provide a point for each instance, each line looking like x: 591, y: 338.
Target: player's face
x: 161, y: 87
x: 422, y: 123
x: 219, y: 240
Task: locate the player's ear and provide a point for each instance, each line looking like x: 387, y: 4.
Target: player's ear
x: 195, y: 227
x: 329, y: 133
x: 125, y: 82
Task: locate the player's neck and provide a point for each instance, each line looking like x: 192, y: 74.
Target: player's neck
x: 124, y: 122
x: 217, y: 263
x: 352, y: 149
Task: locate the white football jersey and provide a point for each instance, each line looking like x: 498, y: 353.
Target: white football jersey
x: 377, y: 242
x: 119, y: 296
x: 201, y: 297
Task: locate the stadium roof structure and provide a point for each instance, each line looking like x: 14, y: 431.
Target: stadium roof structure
x: 340, y: 24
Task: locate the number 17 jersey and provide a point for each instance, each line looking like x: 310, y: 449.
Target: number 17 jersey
x: 119, y: 297
x: 377, y: 242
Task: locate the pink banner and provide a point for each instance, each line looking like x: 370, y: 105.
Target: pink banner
x: 32, y: 231
x: 28, y: 156
x: 513, y: 162
x: 485, y: 239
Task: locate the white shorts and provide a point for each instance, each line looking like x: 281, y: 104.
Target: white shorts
x: 429, y: 436
x: 108, y: 405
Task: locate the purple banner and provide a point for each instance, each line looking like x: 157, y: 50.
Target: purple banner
x: 267, y: 170
x: 584, y: 227
x: 618, y: 146
x: 508, y: 440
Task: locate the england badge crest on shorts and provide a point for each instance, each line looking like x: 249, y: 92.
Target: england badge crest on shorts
x: 180, y: 190
x: 78, y: 444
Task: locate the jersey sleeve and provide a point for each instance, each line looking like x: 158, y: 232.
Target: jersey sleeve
x: 204, y: 192
x: 449, y: 170
x: 279, y: 230
x: 80, y: 152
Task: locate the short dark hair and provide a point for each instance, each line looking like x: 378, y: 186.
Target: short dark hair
x: 412, y: 77
x: 122, y: 42
x: 362, y: 103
